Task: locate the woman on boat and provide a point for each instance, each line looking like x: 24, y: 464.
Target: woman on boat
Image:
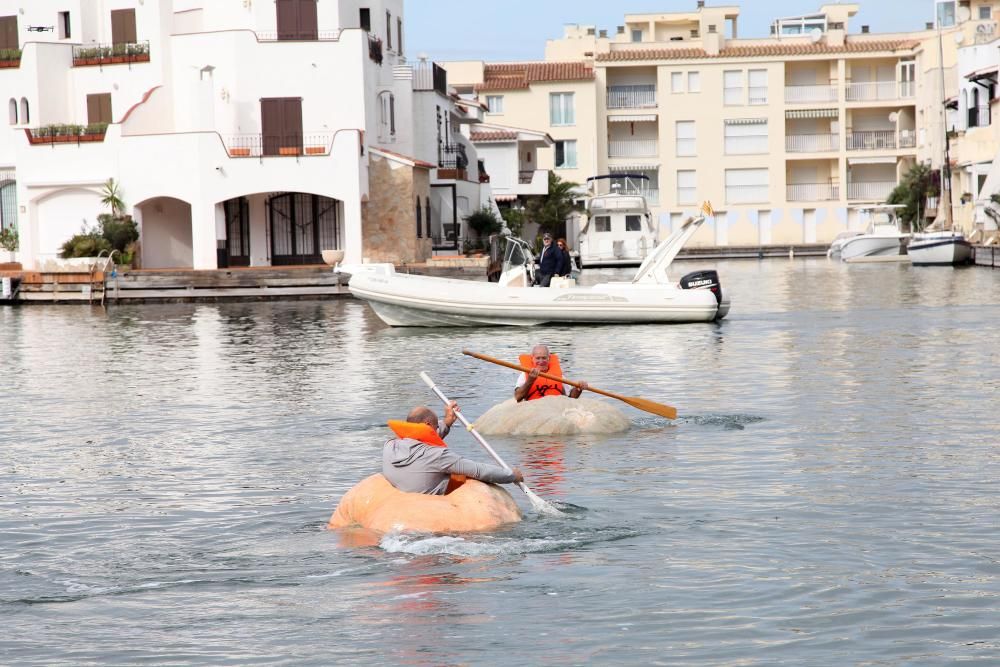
x: 566, y: 268
x: 417, y: 460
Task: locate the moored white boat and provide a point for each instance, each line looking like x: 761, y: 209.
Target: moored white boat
x: 944, y: 248
x: 883, y: 238
x: 619, y: 229
x: 415, y: 300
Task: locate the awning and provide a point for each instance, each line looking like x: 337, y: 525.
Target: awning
x: 633, y: 118
x: 746, y: 121
x: 632, y: 167
x: 811, y: 113
x: 504, y: 198
x: 987, y: 73
x: 872, y: 160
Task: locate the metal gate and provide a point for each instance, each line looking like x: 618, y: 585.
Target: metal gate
x: 302, y: 225
x: 237, y: 231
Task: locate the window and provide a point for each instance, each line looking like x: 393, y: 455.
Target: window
x: 746, y: 186
x: 687, y: 186
x: 64, y: 26
x: 494, y: 104
x: 399, y: 35
x: 388, y: 30
x: 566, y: 154
x: 25, y: 116
x: 561, y: 109
x: 637, y: 35
x: 985, y: 12
x: 746, y: 136
x: 602, y: 223
x: 946, y: 14
x: 99, y: 108
x: 633, y: 223
x: 12, y: 111
x: 732, y: 82
x: 365, y: 16
x: 677, y: 82
x: 420, y: 225
x: 387, y: 116
x: 8, y: 205
x: 687, y: 141
x: 694, y: 82
x: 123, y: 26
x: 757, y: 78
x: 296, y: 20
x: 8, y: 33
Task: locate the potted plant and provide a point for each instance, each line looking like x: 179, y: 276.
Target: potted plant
x: 10, y: 57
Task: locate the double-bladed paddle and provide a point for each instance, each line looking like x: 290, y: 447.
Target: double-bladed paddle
x: 643, y: 404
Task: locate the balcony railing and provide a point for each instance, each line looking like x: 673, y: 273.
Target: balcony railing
x: 872, y: 91
x: 110, y: 54
x: 631, y: 97
x: 10, y: 58
x: 452, y: 156
x: 871, y: 140
x: 632, y: 148
x: 930, y: 206
x: 870, y: 190
x: 979, y: 116
x: 813, y: 192
x: 301, y: 36
x: 269, y: 145
x: 757, y: 95
x: 746, y: 194
x: 524, y: 177
x: 812, y: 143
x: 67, y: 134
x: 810, y: 93
x: 746, y: 145
x: 430, y: 76
x: 907, y: 139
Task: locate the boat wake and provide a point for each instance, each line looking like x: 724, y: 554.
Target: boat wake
x: 499, y: 545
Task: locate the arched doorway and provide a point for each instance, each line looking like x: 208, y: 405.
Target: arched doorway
x: 302, y: 225
x: 166, y: 236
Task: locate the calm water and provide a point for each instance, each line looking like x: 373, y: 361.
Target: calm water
x: 828, y: 497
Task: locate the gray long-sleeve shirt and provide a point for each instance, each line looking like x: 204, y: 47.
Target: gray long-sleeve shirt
x: 414, y: 467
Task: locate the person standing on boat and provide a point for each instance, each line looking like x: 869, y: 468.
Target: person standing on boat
x: 417, y: 460
x: 549, y: 262
x: 530, y: 386
x: 566, y: 268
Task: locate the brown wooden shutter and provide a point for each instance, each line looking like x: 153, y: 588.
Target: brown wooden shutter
x: 291, y: 118
x: 297, y: 19
x: 281, y: 124
x: 308, y: 21
x: 8, y: 33
x: 270, y: 124
x: 99, y: 108
x: 123, y: 26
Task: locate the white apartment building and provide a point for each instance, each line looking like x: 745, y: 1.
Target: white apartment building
x: 240, y: 133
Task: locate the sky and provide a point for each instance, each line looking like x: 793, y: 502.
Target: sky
x: 517, y: 29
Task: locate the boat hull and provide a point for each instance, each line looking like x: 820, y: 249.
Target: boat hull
x: 868, y: 245
x: 424, y: 301
x: 940, y: 251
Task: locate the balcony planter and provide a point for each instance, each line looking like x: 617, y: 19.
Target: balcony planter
x: 289, y: 150
x: 239, y: 152
x: 10, y: 64
x: 315, y: 150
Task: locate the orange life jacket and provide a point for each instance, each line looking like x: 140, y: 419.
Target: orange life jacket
x: 418, y: 431
x: 543, y: 387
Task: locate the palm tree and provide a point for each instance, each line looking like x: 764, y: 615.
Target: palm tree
x: 551, y: 210
x: 113, y: 198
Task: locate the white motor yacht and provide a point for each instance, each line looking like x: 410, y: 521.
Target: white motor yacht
x: 883, y: 238
x: 943, y: 248
x: 619, y: 229
x: 402, y: 299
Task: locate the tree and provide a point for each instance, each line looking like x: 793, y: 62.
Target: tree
x: 112, y: 197
x: 919, y: 183
x: 514, y: 217
x: 551, y: 210
x: 484, y: 222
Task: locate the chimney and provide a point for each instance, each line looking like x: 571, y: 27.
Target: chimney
x: 929, y: 25
x: 694, y: 34
x: 864, y: 30
x: 603, y: 34
x: 711, y: 29
x: 621, y: 30
x: 590, y: 31
x: 701, y: 4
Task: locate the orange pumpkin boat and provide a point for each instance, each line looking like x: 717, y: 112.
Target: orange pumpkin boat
x: 469, y: 506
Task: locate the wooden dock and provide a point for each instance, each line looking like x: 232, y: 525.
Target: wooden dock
x: 986, y: 255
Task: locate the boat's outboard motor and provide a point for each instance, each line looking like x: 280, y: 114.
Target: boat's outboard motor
x: 703, y: 280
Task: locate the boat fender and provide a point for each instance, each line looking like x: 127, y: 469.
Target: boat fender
x: 417, y: 431
x: 707, y: 279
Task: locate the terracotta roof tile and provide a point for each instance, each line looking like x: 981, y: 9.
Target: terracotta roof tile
x: 518, y: 76
x: 761, y: 50
x: 493, y: 135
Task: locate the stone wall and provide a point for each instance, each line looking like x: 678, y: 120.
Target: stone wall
x: 389, y: 218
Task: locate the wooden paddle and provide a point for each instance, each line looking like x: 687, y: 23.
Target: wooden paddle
x: 643, y: 404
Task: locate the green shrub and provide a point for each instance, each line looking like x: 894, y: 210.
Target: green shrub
x: 88, y: 243
x: 9, y: 239
x: 484, y: 222
x: 119, y: 232
x: 110, y: 233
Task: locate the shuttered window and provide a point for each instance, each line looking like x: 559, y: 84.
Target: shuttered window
x: 281, y: 125
x: 297, y: 19
x: 123, y: 26
x: 8, y: 33
x: 99, y: 108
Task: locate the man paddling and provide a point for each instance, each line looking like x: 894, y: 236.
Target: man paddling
x: 417, y: 460
x: 530, y: 386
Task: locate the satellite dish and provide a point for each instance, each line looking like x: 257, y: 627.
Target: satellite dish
x: 964, y: 14
x: 893, y: 117
x: 815, y: 35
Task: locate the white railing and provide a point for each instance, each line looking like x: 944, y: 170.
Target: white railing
x: 687, y: 195
x: 812, y: 143
x: 746, y: 145
x: 907, y: 88
x: 871, y: 140
x: 757, y: 95
x: 632, y: 148
x: 813, y: 192
x: 687, y: 147
x: 631, y: 97
x: 874, y: 190
x: 810, y: 93
x: 652, y: 196
x: 746, y: 194
x: 931, y: 205
x: 867, y: 91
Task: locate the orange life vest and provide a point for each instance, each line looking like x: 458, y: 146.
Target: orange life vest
x: 543, y: 387
x: 418, y: 431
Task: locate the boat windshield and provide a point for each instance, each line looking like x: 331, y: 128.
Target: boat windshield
x: 515, y: 255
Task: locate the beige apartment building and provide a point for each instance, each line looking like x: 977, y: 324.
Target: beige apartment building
x: 789, y: 136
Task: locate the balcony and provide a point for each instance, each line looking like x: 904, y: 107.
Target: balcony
x: 268, y: 145
x: 871, y: 140
x: 532, y: 182
x: 979, y: 116
x: 876, y: 91
x: 812, y: 143
x: 806, y: 94
x: 300, y: 36
x: 67, y: 134
x: 813, y: 192
x: 430, y: 76
x: 110, y: 54
x: 452, y: 156
x: 632, y: 148
x: 870, y: 190
x: 632, y: 97
x: 10, y: 58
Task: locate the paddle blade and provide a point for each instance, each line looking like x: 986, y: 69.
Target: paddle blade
x: 653, y: 407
